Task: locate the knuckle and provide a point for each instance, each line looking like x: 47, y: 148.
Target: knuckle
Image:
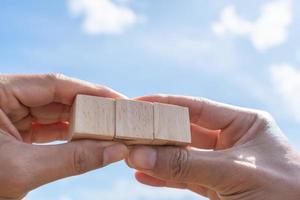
x: 80, y: 159
x: 4, y: 94
x: 54, y: 82
x: 160, y: 95
x: 179, y: 166
x: 55, y: 76
x: 264, y: 119
x: 4, y: 79
x: 265, y: 116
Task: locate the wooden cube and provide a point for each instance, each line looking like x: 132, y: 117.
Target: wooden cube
x: 93, y: 117
x: 129, y: 121
x: 134, y: 121
x: 171, y: 125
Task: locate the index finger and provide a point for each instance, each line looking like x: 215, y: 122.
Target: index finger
x: 39, y: 90
x: 203, y: 112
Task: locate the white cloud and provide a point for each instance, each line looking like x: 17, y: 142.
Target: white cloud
x: 192, y: 52
x: 103, y: 16
x: 268, y: 30
x: 286, y: 83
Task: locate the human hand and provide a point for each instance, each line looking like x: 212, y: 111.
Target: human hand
x: 35, y: 109
x: 236, y: 153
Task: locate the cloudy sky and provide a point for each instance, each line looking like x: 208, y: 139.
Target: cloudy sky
x: 245, y: 53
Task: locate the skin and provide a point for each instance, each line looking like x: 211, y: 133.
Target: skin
x: 36, y: 109
x: 236, y: 153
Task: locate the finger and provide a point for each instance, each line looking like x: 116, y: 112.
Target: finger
x: 11, y: 106
x: 204, y: 191
x: 15, y: 111
x: 53, y: 162
x: 207, y: 168
x: 53, y: 88
x: 203, y: 112
x: 234, y: 122
x: 51, y: 132
x: 67, y: 88
x: 155, y: 182
x: 40, y: 133
x: 51, y: 113
x: 212, y: 195
x: 7, y: 127
x: 149, y: 180
x: 24, y: 124
x: 203, y: 138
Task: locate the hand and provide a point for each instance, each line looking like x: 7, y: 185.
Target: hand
x: 35, y: 109
x: 236, y: 153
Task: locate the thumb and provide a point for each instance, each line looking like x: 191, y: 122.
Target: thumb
x: 59, y: 161
x: 186, y: 165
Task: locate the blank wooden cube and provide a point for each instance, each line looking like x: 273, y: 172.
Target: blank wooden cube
x: 171, y: 125
x: 93, y: 117
x: 134, y: 121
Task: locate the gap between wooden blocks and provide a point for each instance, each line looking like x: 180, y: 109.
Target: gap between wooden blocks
x: 129, y: 121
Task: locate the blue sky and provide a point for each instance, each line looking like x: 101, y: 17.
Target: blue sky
x: 245, y: 53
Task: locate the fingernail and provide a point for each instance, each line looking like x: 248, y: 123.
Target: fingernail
x: 114, y: 153
x: 142, y: 158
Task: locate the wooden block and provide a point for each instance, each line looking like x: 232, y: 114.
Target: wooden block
x: 171, y: 125
x: 134, y: 121
x: 128, y: 121
x: 93, y: 118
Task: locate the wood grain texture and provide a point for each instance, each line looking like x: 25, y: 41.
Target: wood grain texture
x: 129, y: 121
x: 134, y: 121
x: 93, y: 117
x: 171, y: 125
